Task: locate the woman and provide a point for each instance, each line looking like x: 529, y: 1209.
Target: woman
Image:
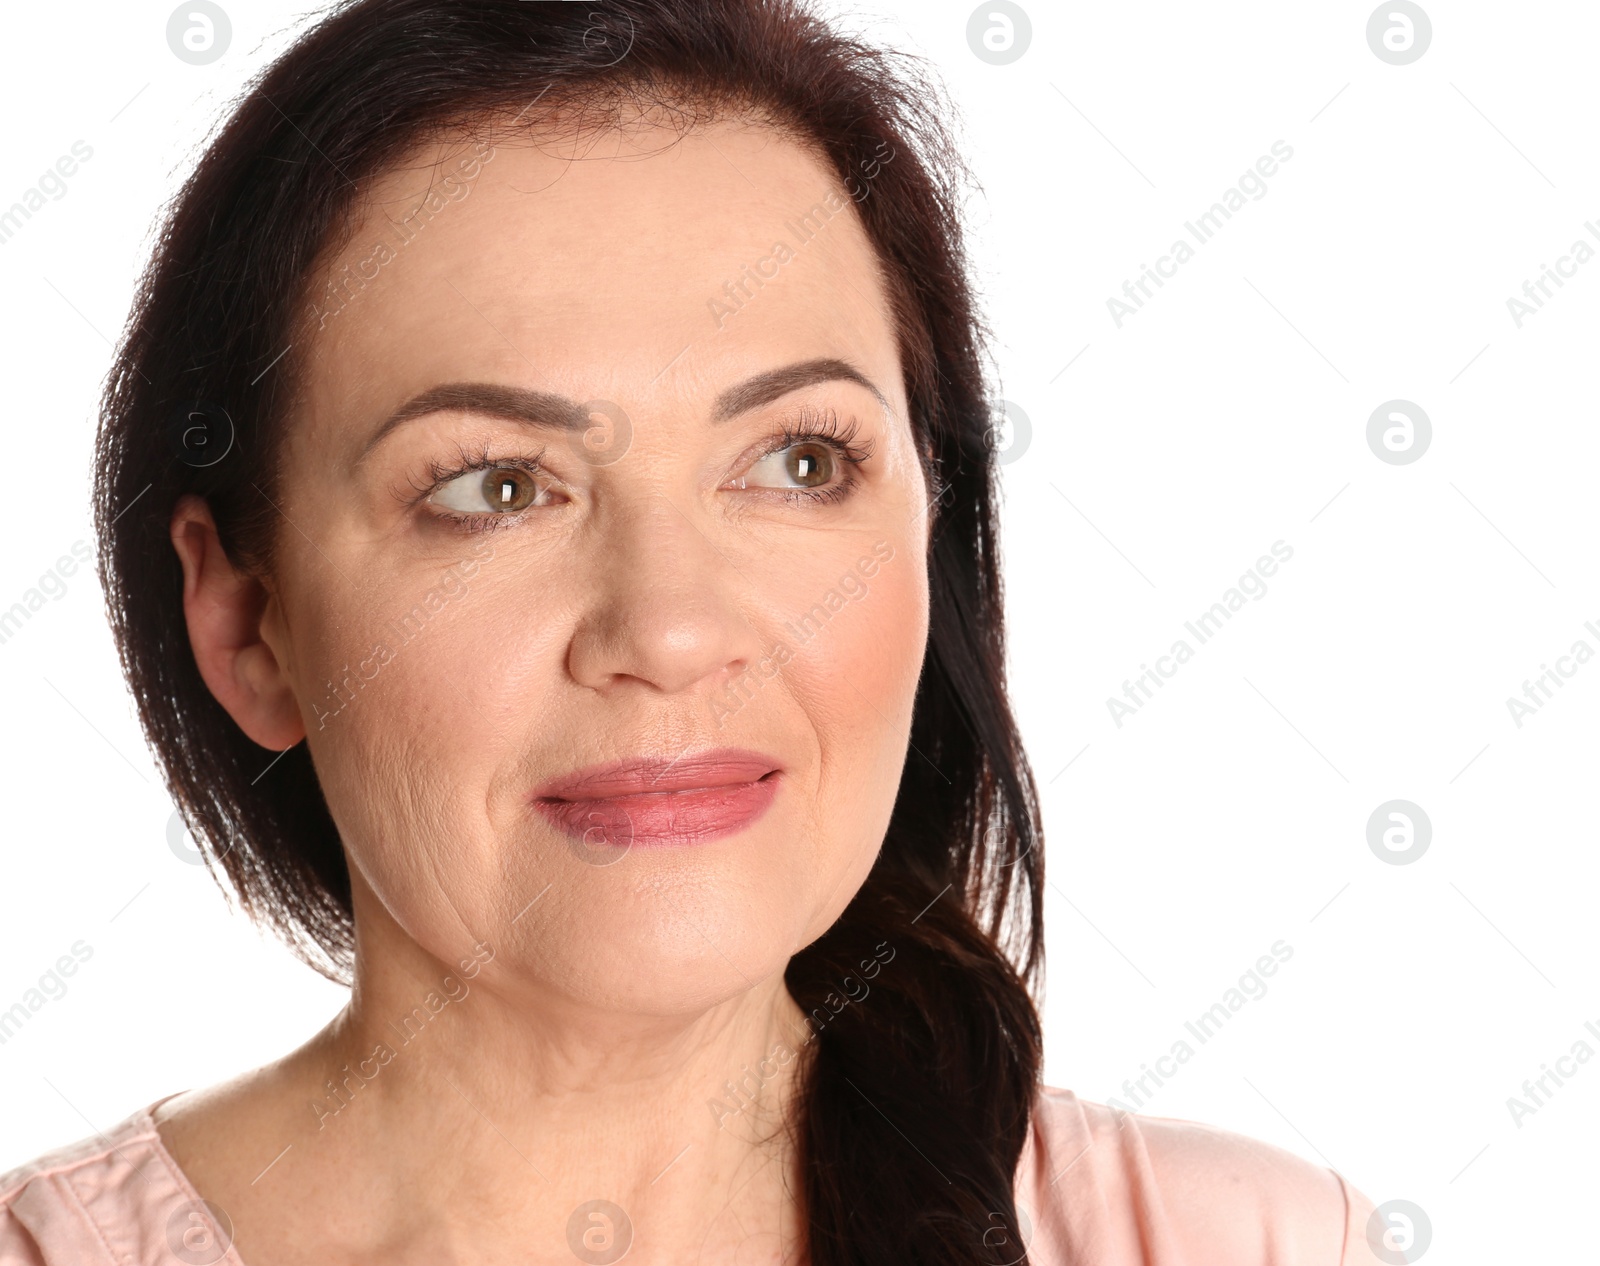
x: 547, y: 512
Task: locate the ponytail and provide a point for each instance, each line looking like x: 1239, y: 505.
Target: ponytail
x: 918, y: 1092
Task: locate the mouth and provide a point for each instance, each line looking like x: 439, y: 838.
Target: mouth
x: 657, y: 801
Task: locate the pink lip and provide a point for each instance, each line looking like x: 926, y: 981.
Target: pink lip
x: 651, y: 801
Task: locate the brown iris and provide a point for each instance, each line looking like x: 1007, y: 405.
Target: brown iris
x: 509, y: 489
x: 809, y: 464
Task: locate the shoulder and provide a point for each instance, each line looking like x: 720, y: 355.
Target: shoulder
x: 1120, y: 1188
x: 109, y: 1198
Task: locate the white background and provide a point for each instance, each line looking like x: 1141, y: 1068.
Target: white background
x: 1230, y: 812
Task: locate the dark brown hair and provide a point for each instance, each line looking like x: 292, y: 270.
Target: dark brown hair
x: 917, y: 1100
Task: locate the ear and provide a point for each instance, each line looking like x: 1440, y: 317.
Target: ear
x: 225, y: 609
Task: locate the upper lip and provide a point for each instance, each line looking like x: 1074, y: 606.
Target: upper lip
x: 715, y: 767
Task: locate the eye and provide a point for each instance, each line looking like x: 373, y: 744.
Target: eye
x: 814, y: 458
x: 498, y: 490
x: 808, y: 464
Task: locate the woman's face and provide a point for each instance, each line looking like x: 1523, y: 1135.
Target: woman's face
x: 604, y: 467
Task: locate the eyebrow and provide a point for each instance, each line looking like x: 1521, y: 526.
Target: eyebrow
x: 558, y: 412
x: 767, y: 387
x: 516, y: 404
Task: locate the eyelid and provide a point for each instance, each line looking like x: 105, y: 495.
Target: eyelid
x: 811, y: 423
x: 475, y: 459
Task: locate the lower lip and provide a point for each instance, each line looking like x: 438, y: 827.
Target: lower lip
x: 662, y: 817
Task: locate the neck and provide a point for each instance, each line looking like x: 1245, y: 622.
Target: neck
x: 490, y: 1115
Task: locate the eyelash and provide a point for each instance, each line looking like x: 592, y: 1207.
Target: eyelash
x: 812, y: 426
x: 441, y: 473
x: 809, y: 426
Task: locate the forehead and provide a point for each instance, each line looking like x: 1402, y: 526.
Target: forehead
x: 630, y: 262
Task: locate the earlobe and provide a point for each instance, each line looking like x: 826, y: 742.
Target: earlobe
x: 224, y: 609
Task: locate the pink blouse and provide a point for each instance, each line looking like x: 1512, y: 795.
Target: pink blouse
x: 1095, y: 1186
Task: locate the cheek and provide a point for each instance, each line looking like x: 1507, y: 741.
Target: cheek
x: 857, y: 652
x: 364, y: 657
x: 854, y: 676
x: 415, y: 692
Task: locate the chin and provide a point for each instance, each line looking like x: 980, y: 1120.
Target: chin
x: 664, y: 975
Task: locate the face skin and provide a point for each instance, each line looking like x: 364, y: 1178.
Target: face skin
x: 651, y: 601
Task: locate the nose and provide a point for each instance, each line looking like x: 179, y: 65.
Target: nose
x: 665, y: 608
